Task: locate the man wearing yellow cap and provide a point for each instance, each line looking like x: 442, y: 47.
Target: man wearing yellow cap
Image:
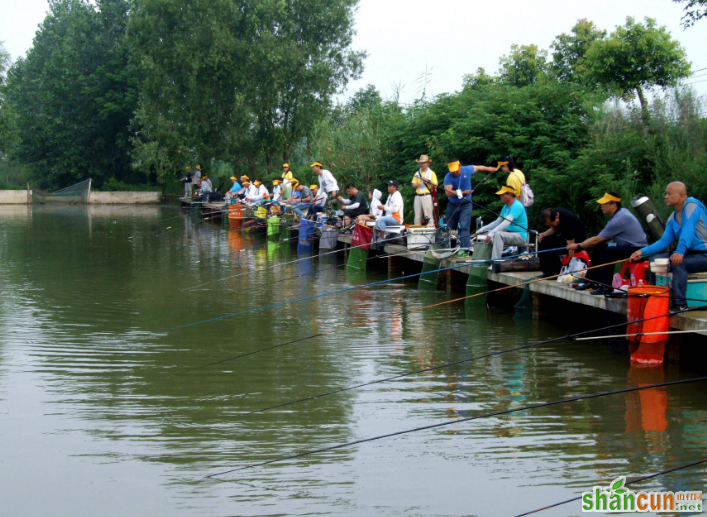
x: 234, y: 190
x: 327, y: 182
x: 511, y: 228
x: 424, y: 181
x: 276, y: 191
x: 625, y: 230
x: 262, y: 195
x: 457, y: 187
x: 319, y: 199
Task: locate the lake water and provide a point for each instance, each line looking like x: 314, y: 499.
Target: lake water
x: 97, y: 419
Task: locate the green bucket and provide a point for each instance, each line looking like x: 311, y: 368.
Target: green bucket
x: 274, y: 228
x: 478, y: 276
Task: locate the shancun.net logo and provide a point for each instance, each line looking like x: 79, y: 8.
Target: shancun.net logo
x: 617, y: 498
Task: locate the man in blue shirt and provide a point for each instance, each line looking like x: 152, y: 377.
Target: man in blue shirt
x: 687, y: 224
x: 457, y: 186
x: 625, y: 230
x: 233, y: 192
x: 511, y: 228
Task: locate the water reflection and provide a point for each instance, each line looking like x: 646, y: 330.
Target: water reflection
x: 89, y: 386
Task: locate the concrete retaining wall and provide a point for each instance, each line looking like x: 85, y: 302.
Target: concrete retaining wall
x: 19, y: 197
x: 13, y: 197
x: 124, y: 198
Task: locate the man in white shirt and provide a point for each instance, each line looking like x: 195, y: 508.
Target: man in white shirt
x: 262, y: 195
x: 393, y: 209
x: 276, y: 191
x: 319, y: 198
x: 327, y: 182
x: 251, y: 191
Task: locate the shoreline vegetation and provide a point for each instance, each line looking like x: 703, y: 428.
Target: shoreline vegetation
x: 131, y: 93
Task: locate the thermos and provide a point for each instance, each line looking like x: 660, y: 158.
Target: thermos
x: 648, y: 215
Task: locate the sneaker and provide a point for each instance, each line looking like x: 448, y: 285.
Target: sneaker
x: 680, y: 308
x: 463, y: 254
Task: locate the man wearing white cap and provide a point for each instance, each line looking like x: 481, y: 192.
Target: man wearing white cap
x: 424, y: 181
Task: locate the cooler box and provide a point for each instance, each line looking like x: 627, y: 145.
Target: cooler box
x: 421, y: 237
x: 696, y: 292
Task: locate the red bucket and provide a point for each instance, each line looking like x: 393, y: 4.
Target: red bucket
x: 644, y: 302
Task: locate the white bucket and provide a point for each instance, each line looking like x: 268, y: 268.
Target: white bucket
x: 660, y: 266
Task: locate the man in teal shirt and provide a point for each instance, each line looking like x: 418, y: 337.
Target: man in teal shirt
x: 511, y: 228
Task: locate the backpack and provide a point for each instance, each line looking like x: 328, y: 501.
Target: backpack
x: 527, y: 198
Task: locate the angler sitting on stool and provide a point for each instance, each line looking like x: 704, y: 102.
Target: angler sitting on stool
x: 625, y: 230
x: 687, y: 224
x: 510, y: 229
x: 393, y: 209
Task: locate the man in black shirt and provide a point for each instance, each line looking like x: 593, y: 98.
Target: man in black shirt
x: 563, y: 228
x: 356, y: 205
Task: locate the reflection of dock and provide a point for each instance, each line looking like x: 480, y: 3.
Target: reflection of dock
x: 208, y: 210
x: 696, y: 320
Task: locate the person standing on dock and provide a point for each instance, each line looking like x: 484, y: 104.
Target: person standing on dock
x: 287, y: 177
x: 457, y: 187
x: 424, y: 181
x: 511, y: 228
x: 564, y: 228
x: 319, y: 199
x: 196, y: 179
x: 187, y: 179
x: 516, y: 178
x: 393, y: 209
x: 687, y: 224
x: 625, y: 230
x: 327, y: 182
x: 355, y: 206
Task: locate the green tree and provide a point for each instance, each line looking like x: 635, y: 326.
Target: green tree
x: 524, y: 65
x: 74, y: 94
x: 637, y: 56
x: 7, y: 120
x: 238, y: 80
x: 570, y: 50
x: 694, y: 10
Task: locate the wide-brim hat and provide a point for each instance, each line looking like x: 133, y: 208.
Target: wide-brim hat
x: 424, y: 159
x: 608, y: 198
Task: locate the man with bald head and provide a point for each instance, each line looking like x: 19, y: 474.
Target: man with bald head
x: 687, y: 224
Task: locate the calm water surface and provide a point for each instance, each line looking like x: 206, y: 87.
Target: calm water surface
x: 96, y: 419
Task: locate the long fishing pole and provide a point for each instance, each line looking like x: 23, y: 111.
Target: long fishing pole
x: 368, y: 322
x: 459, y: 421
x: 573, y: 337
x: 637, y: 480
x: 346, y: 289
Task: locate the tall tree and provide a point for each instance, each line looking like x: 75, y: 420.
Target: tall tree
x: 694, y: 10
x: 637, y: 56
x: 7, y: 129
x: 74, y: 94
x: 239, y: 79
x: 524, y: 65
x: 570, y: 51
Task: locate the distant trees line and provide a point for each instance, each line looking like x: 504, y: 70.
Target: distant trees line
x: 131, y: 92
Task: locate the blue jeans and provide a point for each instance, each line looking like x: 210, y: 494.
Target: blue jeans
x: 690, y: 264
x: 299, y: 207
x: 460, y: 215
x: 383, y: 222
x: 315, y: 209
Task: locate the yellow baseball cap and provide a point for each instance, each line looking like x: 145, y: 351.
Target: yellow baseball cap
x: 246, y: 183
x: 505, y: 189
x: 454, y: 166
x: 234, y: 178
x: 257, y: 182
x: 285, y: 165
x: 313, y: 186
x: 244, y: 178
x: 316, y: 163
x: 501, y: 164
x: 608, y: 198
x: 276, y: 181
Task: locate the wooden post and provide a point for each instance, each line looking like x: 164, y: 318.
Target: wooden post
x: 29, y: 196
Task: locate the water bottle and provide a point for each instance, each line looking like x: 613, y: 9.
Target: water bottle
x: 479, y: 223
x: 633, y: 279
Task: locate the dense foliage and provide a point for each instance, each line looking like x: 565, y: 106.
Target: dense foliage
x: 130, y: 92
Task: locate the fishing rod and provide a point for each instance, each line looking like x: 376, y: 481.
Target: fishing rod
x: 335, y: 266
x: 458, y: 421
x: 667, y: 333
x: 637, y: 480
x: 290, y: 262
x: 351, y: 288
x: 368, y: 322
x: 504, y: 218
x: 572, y: 337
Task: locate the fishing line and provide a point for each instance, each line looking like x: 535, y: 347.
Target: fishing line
x: 637, y: 480
x: 368, y: 322
x: 475, y: 358
x: 504, y: 218
x: 458, y: 421
x: 351, y: 288
x: 290, y: 262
